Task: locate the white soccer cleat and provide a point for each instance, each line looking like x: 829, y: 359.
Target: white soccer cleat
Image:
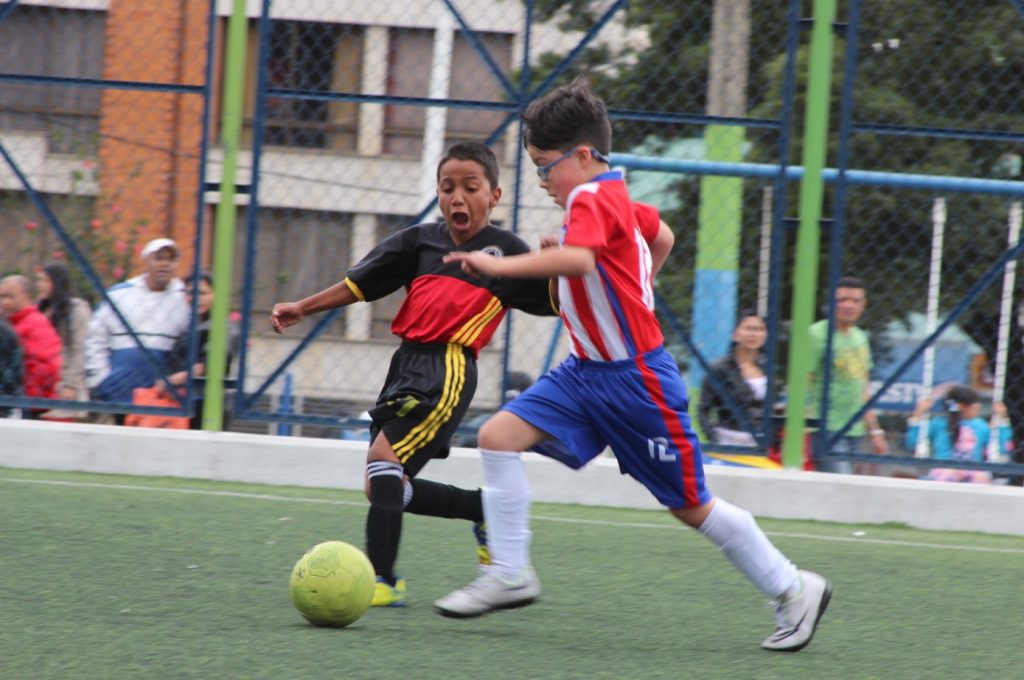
x: 797, y: 616
x: 489, y: 593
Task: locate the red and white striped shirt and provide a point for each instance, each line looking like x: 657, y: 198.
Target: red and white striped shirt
x: 610, y: 311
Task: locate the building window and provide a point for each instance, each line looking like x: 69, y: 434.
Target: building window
x: 409, y: 65
x: 29, y: 240
x: 409, y: 58
x: 298, y: 252
x: 45, y: 41
x: 473, y: 79
x: 311, y: 57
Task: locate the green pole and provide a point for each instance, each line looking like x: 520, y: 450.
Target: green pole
x: 812, y: 193
x: 716, y: 277
x: 224, y: 225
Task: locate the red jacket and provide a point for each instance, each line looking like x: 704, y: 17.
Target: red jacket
x: 40, y: 347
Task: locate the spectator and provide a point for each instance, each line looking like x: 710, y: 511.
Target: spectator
x: 69, y: 316
x: 959, y: 434
x: 40, y: 344
x: 851, y: 372
x: 11, y: 368
x: 741, y: 377
x: 983, y: 328
x: 153, y: 305
x: 178, y: 362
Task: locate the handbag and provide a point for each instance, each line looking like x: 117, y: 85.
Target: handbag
x: 154, y: 396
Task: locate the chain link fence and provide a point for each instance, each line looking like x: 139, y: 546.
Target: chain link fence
x: 349, y: 106
x: 103, y: 122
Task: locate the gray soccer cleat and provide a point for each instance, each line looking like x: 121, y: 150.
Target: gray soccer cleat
x: 488, y: 593
x: 797, y: 616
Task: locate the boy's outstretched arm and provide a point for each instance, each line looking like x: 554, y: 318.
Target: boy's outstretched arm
x: 285, y: 314
x: 539, y: 264
x: 661, y: 246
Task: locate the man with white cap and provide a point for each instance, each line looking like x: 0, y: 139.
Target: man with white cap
x: 154, y: 306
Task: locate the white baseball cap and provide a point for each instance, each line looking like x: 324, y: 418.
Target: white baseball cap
x: 157, y: 245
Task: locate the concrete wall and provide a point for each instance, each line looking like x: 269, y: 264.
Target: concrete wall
x: 298, y: 461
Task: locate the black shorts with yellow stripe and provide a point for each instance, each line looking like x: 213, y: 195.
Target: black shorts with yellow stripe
x: 425, y: 396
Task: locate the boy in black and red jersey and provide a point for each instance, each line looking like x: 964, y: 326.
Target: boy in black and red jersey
x: 447, y: 317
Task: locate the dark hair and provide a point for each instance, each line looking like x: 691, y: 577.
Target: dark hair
x: 57, y: 307
x: 203, y: 276
x: 566, y: 117
x: 956, y: 397
x: 746, y: 314
x: 472, y: 151
x: 850, y: 282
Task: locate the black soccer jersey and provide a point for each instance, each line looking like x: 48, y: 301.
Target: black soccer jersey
x: 443, y: 303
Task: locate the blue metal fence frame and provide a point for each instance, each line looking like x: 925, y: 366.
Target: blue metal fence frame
x: 521, y: 97
x: 519, y: 94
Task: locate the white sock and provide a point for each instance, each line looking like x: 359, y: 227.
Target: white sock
x: 739, y: 538
x: 506, y: 501
x: 406, y: 493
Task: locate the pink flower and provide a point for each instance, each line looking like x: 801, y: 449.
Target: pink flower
x: 88, y: 164
x: 58, y: 255
x: 116, y: 208
x: 96, y: 224
x: 118, y: 272
x: 31, y: 226
x: 120, y: 246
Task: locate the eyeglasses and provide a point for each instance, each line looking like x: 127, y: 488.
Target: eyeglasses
x: 544, y: 172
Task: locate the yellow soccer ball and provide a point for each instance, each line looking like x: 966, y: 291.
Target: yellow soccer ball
x: 332, y: 584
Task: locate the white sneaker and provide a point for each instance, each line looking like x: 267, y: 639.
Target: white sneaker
x: 489, y: 593
x: 797, y: 616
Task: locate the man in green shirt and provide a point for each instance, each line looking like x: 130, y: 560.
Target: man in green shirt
x: 850, y: 376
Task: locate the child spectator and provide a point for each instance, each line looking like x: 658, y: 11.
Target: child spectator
x: 958, y: 434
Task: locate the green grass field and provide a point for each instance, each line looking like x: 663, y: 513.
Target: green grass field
x: 127, y: 577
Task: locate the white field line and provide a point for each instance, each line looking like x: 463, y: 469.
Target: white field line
x: 543, y: 518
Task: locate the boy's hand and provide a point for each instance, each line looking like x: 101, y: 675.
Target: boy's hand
x: 285, y: 314
x: 475, y: 263
x: 549, y: 241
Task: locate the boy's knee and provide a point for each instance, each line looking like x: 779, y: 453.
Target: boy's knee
x: 489, y: 436
x: 506, y: 431
x: 498, y: 434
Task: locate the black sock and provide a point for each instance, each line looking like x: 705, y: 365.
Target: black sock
x: 384, y: 523
x: 444, y: 500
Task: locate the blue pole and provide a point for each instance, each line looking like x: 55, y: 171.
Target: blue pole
x: 285, y: 407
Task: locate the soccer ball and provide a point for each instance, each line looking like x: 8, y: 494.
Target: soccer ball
x: 332, y: 584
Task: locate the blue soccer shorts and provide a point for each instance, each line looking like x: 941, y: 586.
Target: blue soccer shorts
x: 638, y: 407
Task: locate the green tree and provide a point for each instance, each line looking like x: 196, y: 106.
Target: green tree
x: 918, y: 64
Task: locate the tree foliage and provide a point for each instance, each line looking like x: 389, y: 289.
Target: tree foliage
x: 918, y: 63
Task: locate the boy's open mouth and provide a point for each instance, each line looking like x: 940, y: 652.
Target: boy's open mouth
x: 460, y: 219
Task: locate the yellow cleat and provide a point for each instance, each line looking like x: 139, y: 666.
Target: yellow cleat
x: 387, y: 595
x: 482, y: 553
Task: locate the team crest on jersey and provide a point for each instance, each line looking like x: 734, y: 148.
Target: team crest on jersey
x: 493, y: 251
